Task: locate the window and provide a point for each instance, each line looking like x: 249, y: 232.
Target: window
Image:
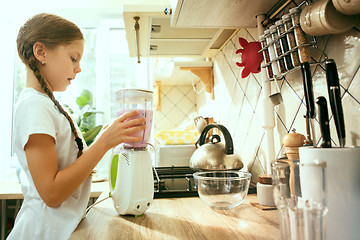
x: 124, y: 71
x: 106, y: 68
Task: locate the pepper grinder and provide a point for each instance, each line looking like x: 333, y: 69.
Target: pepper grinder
x: 292, y: 141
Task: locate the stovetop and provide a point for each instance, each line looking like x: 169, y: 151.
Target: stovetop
x: 174, y: 182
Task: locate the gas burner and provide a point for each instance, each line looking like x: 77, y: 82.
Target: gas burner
x: 172, y: 182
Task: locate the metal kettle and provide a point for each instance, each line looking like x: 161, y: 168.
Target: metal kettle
x: 215, y: 155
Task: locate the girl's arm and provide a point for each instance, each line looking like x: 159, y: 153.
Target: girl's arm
x: 56, y: 186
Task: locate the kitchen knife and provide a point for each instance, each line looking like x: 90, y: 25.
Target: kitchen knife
x: 309, y: 101
x: 324, y: 122
x: 308, y: 90
x: 332, y: 79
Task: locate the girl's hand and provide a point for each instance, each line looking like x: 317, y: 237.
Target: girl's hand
x: 121, y: 129
x: 54, y: 185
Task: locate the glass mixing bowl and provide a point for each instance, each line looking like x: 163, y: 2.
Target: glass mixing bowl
x: 222, y: 189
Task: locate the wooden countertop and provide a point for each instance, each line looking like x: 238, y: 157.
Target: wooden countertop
x: 12, y: 189
x: 180, y: 218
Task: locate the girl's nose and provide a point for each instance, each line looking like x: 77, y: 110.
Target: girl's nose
x: 77, y: 69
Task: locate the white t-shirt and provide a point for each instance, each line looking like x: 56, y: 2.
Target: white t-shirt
x: 36, y: 113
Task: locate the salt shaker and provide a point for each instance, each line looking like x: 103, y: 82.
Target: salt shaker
x: 264, y: 190
x: 290, y: 35
x: 299, y: 35
x: 284, y: 44
x: 266, y: 55
x: 277, y: 47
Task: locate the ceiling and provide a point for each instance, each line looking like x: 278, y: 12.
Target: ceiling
x: 85, y: 13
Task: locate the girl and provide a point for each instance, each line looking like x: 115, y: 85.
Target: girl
x: 55, y: 176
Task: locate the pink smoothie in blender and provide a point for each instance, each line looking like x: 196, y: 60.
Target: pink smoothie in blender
x: 148, y: 114
x: 141, y: 101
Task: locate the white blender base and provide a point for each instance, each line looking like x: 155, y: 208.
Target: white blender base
x: 132, y: 185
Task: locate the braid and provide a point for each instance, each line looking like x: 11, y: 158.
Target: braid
x: 52, y: 31
x: 32, y: 62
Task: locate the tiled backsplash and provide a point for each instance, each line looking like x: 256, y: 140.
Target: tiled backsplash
x: 177, y: 105
x: 237, y: 103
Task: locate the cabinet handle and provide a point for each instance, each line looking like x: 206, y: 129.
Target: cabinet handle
x: 137, y: 28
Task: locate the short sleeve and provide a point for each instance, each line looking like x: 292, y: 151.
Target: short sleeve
x: 35, y: 115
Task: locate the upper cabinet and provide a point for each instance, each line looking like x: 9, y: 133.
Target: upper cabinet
x: 218, y: 14
x: 149, y: 33
x: 167, y: 40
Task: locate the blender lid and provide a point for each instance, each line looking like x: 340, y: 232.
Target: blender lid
x: 134, y: 94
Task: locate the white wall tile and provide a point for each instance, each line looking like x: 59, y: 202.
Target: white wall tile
x: 178, y: 103
x: 352, y: 121
x: 247, y: 132
x: 253, y: 91
x: 237, y: 105
x: 344, y: 49
x: 288, y: 109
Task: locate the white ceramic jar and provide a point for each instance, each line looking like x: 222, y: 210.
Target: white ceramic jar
x: 264, y: 190
x: 342, y: 181
x: 347, y: 7
x: 321, y: 18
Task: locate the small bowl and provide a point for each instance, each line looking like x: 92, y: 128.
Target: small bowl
x: 222, y: 189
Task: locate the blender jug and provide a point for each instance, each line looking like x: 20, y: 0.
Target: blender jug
x: 140, y: 100
x: 131, y: 179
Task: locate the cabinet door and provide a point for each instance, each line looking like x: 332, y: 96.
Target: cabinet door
x: 218, y: 13
x: 169, y: 41
x: 157, y: 37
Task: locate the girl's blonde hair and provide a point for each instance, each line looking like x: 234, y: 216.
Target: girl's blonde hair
x: 52, y: 31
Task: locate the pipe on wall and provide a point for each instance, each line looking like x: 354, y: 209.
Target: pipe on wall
x: 268, y: 119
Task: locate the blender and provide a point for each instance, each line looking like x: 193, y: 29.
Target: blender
x: 131, y: 175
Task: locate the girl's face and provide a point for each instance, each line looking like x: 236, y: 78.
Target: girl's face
x: 62, y: 64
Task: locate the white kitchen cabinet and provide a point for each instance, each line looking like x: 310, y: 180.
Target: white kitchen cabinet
x: 156, y: 37
x: 171, y: 41
x: 218, y: 14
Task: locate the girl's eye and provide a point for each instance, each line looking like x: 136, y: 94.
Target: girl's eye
x: 73, y: 59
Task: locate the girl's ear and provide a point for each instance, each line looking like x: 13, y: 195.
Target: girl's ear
x: 39, y: 52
